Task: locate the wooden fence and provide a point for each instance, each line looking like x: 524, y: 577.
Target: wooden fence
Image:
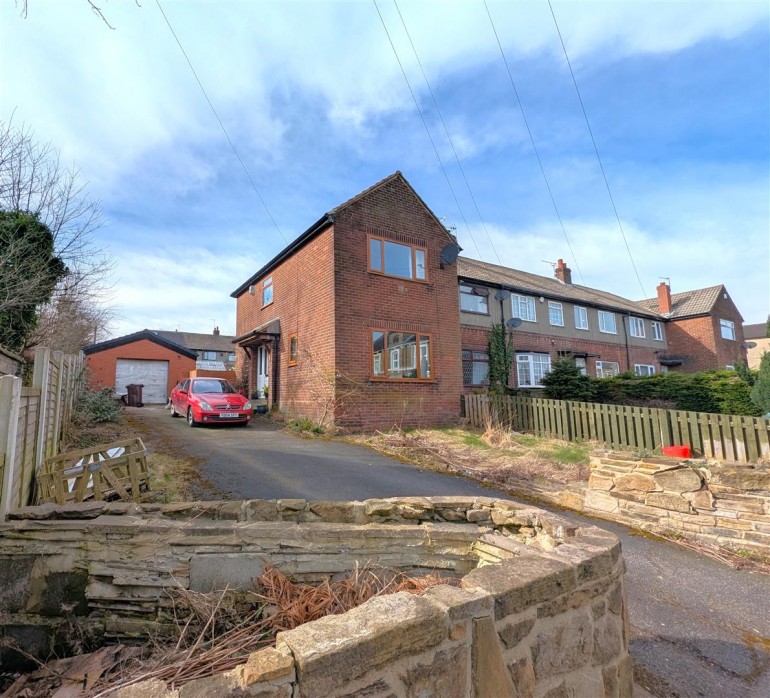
x: 32, y: 420
x: 720, y: 436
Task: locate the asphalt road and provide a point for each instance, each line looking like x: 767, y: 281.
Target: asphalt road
x: 698, y: 627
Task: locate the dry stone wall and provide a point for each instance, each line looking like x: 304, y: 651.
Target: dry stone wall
x: 541, y: 609
x: 715, y: 503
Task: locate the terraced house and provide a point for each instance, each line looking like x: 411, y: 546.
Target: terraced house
x: 602, y: 333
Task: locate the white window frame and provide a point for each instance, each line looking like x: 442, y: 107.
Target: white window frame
x: 582, y: 365
x: 555, y: 307
x: 600, y: 369
x: 528, y: 303
x: 395, y: 359
x: 605, y: 315
x: 649, y: 370
x: 531, y: 363
x: 728, y: 325
x: 267, y: 291
x: 657, y: 330
x: 209, y: 355
x: 581, y: 318
x: 636, y: 327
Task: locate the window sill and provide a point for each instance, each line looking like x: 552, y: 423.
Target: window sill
x: 607, y: 332
x: 554, y: 324
x: 475, y: 312
x: 398, y: 278
x: 374, y: 379
x: 266, y: 305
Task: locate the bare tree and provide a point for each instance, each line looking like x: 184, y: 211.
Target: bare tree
x: 34, y: 181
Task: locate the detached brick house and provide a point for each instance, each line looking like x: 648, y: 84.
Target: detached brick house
x: 705, y: 329
x: 757, y: 342
x: 603, y: 333
x: 356, y: 321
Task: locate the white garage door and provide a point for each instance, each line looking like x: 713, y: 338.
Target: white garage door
x: 153, y: 375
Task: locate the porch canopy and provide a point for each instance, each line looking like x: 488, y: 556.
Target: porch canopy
x: 266, y: 335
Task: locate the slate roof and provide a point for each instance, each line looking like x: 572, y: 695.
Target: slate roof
x: 755, y: 331
x: 533, y: 284
x: 150, y: 335
x: 688, y: 303
x: 198, y: 341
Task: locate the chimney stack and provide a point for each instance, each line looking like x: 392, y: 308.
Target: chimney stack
x: 216, y: 331
x: 563, y: 273
x: 664, y: 298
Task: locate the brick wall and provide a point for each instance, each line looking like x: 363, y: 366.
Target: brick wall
x: 101, y: 364
x: 365, y: 301
x: 303, y: 300
x: 700, y: 339
x: 475, y: 338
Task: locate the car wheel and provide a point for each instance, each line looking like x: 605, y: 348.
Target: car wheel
x: 174, y: 413
x: 190, y: 419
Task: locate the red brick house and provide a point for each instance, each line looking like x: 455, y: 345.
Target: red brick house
x: 602, y: 333
x: 356, y: 321
x: 704, y: 328
x: 142, y: 357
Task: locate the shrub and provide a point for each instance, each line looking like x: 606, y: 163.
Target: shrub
x: 760, y: 393
x: 566, y: 382
x: 98, y: 406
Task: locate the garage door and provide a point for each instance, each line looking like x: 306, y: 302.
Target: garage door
x: 153, y: 375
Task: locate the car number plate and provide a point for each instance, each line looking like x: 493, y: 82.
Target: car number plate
x: 229, y: 415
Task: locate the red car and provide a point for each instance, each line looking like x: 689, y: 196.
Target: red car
x: 209, y: 400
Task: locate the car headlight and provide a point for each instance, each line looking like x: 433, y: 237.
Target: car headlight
x: 205, y: 406
x: 247, y: 406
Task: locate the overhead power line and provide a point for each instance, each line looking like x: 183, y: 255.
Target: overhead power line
x: 532, y: 141
x: 221, y: 125
x: 446, y: 131
x: 596, y: 149
x: 427, y: 130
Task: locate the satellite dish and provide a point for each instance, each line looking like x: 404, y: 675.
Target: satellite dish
x: 513, y: 322
x: 449, y: 254
x: 750, y: 345
x: 502, y: 295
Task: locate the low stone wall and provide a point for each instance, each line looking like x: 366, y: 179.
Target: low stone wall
x: 541, y: 608
x: 715, y: 503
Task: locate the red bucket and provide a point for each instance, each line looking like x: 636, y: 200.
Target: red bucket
x: 677, y: 451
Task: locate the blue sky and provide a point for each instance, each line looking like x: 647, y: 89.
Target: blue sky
x: 311, y: 94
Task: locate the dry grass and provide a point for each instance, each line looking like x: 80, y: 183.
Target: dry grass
x: 496, y: 455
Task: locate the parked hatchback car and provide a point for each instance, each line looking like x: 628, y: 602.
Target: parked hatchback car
x: 209, y: 400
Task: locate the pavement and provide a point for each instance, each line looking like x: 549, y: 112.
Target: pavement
x: 698, y: 627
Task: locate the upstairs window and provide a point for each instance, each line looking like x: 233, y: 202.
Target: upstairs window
x: 581, y: 318
x: 523, y: 307
x: 728, y: 329
x: 396, y: 259
x: 657, y: 331
x: 474, y: 300
x: 636, y: 327
x: 267, y: 291
x: 209, y: 356
x: 555, y: 314
x: 607, y: 322
x: 401, y: 356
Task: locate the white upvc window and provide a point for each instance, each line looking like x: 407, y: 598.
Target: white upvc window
x: 607, y: 322
x: 530, y: 369
x: 728, y: 329
x: 636, y: 327
x: 644, y: 370
x: 657, y: 331
x: 580, y: 362
x: 523, y: 307
x: 607, y: 369
x: 555, y: 314
x: 267, y: 291
x: 581, y: 318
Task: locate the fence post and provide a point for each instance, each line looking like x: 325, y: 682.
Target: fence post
x: 58, y: 358
x: 40, y: 381
x: 10, y: 401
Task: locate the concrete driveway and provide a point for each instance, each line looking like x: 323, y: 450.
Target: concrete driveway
x: 698, y: 628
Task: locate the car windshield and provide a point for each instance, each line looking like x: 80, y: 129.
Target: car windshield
x: 211, y: 386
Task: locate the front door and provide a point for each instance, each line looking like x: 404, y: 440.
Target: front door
x: 262, y: 372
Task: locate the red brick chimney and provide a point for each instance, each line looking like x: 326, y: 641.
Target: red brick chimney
x: 563, y: 273
x: 664, y: 298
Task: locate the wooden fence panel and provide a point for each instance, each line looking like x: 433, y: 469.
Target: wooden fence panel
x: 724, y: 437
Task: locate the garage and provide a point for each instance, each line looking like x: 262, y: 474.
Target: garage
x: 142, y: 358
x: 153, y: 375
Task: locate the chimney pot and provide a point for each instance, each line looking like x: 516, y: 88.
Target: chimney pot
x: 664, y: 298
x: 563, y: 273
x: 216, y: 330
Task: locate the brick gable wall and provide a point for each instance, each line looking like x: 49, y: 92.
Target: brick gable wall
x: 365, y: 301
x: 101, y: 364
